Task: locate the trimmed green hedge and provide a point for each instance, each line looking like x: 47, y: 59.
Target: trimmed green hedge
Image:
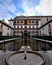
x: 7, y: 37
x: 43, y: 37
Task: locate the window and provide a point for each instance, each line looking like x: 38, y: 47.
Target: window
x: 36, y: 31
x: 17, y: 31
x: 14, y: 21
x: 31, y: 26
x: 19, y: 26
x: 7, y: 34
x: 17, y: 21
x: 43, y: 34
x: 34, y: 26
x: 8, y: 28
x: 37, y: 22
x: 27, y: 26
x: 32, y: 21
x: 21, y: 21
x: 33, y: 31
x: 16, y: 26
x: 23, y: 26
x: 29, y: 21
x: 21, y: 31
x: 13, y: 31
x: 30, y: 31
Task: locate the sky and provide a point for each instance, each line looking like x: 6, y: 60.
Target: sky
x: 12, y: 8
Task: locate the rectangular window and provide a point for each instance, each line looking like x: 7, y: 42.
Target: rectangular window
x: 21, y: 21
x: 7, y: 34
x: 29, y: 21
x: 19, y: 26
x: 17, y: 21
x: 27, y: 26
x: 17, y: 31
x: 16, y: 26
x: 31, y: 26
x: 23, y: 26
x: 34, y: 26
x: 14, y: 22
x: 8, y: 28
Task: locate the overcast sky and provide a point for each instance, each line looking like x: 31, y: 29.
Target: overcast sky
x: 11, y: 8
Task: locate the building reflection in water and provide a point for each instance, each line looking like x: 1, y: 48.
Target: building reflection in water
x: 16, y: 45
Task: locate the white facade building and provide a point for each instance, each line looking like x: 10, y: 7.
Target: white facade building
x: 21, y: 23
x: 6, y: 29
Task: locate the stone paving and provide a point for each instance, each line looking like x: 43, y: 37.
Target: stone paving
x: 46, y: 54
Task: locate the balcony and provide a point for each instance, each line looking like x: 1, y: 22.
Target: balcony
x: 26, y: 28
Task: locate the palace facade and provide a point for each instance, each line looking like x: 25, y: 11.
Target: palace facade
x: 34, y: 25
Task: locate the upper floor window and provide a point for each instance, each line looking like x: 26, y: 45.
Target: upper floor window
x: 14, y: 31
x: 37, y: 22
x: 32, y: 31
x: 23, y: 26
x: 34, y: 26
x: 17, y: 21
x: 32, y: 21
x: 31, y: 26
x: 29, y: 31
x: 14, y: 21
x: 21, y: 21
x: 16, y: 26
x: 36, y: 31
x: 21, y: 31
x: 7, y: 34
x: 27, y: 26
x: 29, y: 21
x: 17, y: 31
x: 19, y: 26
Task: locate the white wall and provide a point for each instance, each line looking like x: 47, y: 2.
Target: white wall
x: 11, y: 24
x: 6, y: 31
x: 46, y: 32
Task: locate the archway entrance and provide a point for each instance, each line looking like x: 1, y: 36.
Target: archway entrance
x: 26, y: 37
x: 25, y: 33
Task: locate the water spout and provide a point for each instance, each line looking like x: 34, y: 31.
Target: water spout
x: 25, y: 57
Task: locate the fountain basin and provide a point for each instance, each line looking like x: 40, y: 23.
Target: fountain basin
x: 33, y: 58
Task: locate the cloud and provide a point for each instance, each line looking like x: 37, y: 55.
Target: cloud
x: 45, y: 7
x: 29, y: 7
x: 13, y: 8
x: 6, y: 6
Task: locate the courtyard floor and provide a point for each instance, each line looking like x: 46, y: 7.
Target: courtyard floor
x: 46, y: 54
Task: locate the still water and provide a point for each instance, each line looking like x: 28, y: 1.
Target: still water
x: 16, y: 45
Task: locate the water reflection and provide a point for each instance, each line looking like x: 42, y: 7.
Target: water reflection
x: 16, y: 45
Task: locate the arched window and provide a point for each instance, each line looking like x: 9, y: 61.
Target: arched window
x: 36, y: 22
